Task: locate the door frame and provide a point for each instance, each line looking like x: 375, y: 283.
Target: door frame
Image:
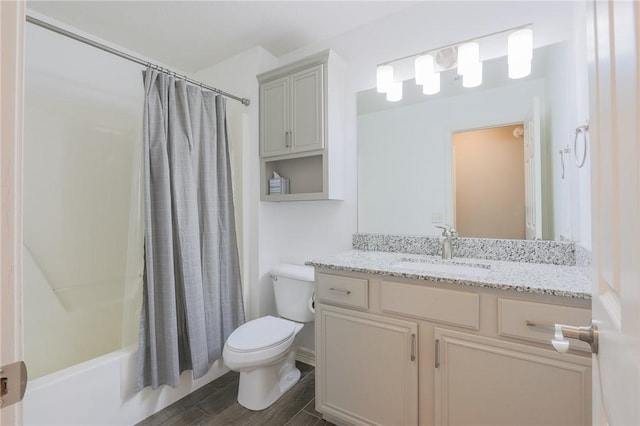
x: 12, y: 22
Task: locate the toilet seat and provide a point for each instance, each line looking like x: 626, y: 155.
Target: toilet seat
x: 259, y: 342
x: 261, y: 334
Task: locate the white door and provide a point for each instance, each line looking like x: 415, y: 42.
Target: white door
x: 613, y: 82
x: 11, y: 75
x: 533, y: 173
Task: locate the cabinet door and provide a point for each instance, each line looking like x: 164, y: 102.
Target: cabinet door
x: 274, y: 117
x: 484, y: 381
x: 366, y: 367
x: 307, y: 110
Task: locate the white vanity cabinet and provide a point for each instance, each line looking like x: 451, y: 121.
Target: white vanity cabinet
x: 301, y: 113
x: 476, y: 359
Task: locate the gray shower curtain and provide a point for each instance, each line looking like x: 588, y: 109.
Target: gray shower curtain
x: 192, y: 293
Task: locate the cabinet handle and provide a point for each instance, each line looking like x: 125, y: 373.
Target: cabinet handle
x: 437, y: 353
x: 413, y: 346
x: 339, y: 290
x: 287, y: 139
x: 539, y: 324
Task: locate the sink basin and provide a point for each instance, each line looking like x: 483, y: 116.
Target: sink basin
x: 444, y: 267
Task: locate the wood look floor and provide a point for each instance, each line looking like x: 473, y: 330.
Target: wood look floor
x: 215, y: 404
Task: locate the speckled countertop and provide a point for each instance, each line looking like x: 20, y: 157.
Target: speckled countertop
x: 557, y: 280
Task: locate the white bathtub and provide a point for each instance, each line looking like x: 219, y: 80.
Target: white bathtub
x: 92, y: 393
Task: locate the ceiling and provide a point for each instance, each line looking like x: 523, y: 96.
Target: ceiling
x: 193, y: 35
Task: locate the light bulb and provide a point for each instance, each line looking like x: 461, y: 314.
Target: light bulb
x: 520, y: 52
x: 424, y: 68
x: 519, y: 69
x: 468, y: 55
x: 384, y: 78
x: 394, y: 94
x: 473, y: 75
x: 431, y: 85
x: 520, y: 45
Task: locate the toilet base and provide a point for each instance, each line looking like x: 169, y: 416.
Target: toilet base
x: 262, y: 386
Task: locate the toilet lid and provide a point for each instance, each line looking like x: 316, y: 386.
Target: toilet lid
x: 261, y: 333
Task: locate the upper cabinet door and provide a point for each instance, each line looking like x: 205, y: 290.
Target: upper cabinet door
x: 292, y: 113
x: 274, y: 117
x: 307, y: 106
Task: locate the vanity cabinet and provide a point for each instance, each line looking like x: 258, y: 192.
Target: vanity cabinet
x: 485, y: 381
x: 301, y: 110
x: 476, y: 359
x: 368, y: 368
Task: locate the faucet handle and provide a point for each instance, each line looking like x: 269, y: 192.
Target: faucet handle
x: 448, y: 231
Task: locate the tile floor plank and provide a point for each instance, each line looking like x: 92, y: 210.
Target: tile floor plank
x: 305, y: 419
x: 191, y: 416
x: 216, y: 404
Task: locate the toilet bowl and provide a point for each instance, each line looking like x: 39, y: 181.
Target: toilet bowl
x: 262, y: 349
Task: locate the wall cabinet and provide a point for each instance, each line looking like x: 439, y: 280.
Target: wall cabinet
x: 301, y: 127
x: 292, y: 112
x: 476, y: 359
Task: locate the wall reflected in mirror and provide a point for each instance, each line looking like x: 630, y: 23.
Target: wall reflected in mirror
x: 409, y: 180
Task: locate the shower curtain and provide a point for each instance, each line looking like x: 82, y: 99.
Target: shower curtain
x: 192, y: 292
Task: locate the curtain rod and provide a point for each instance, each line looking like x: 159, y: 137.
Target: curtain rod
x: 128, y: 57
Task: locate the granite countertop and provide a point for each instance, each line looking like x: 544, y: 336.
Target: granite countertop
x: 557, y: 280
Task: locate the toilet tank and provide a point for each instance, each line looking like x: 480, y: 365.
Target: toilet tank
x: 293, y: 287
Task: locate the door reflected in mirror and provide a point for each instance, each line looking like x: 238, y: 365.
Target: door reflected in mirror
x: 489, y: 182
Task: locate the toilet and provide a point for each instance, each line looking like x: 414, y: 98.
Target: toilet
x: 262, y: 349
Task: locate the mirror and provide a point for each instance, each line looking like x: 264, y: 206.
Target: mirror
x: 412, y: 173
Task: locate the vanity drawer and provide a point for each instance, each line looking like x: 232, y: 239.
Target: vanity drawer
x: 514, y: 314
x: 433, y: 304
x: 343, y: 291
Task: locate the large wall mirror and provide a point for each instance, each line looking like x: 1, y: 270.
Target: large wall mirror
x: 465, y: 157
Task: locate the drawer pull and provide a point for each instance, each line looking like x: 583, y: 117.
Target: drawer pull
x: 339, y: 290
x: 539, y: 324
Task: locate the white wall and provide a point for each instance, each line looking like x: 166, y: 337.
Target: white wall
x: 299, y: 231
x: 558, y: 131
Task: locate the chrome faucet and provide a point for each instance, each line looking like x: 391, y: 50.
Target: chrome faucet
x: 449, y: 234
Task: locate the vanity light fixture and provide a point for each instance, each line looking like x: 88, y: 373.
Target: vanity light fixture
x: 384, y: 78
x: 465, y: 57
x: 520, y: 52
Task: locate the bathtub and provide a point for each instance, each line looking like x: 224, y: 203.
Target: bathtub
x: 101, y: 391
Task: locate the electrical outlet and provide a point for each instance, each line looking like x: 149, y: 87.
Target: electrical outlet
x: 437, y: 217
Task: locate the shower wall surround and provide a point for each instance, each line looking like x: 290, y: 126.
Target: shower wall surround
x: 530, y: 251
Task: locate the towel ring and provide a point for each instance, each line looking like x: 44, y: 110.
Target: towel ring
x: 582, y: 130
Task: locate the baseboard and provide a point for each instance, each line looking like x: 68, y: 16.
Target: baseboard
x: 306, y: 356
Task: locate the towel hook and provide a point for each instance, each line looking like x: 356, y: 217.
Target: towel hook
x: 563, y: 151
x: 581, y: 130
